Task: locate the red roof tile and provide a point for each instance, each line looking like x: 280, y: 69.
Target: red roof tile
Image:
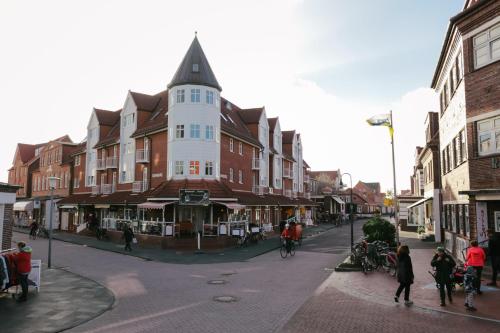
x: 107, y: 118
x: 251, y: 116
x: 145, y: 102
x: 288, y: 136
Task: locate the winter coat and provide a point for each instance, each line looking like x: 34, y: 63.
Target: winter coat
x: 494, y: 246
x: 444, y: 268
x: 476, y: 257
x: 405, y: 269
x: 23, y: 260
x: 128, y: 234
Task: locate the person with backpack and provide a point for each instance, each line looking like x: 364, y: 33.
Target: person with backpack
x: 444, y: 265
x: 405, y: 274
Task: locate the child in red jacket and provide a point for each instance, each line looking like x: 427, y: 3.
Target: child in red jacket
x: 23, y: 268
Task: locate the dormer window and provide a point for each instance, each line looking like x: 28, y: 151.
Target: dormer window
x: 196, y: 68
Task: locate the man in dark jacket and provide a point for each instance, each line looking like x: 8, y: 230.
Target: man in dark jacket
x: 444, y: 265
x: 494, y: 253
x: 128, y: 235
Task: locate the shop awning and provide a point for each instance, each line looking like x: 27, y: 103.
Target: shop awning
x: 68, y: 207
x: 419, y: 202
x: 23, y: 206
x: 102, y: 206
x: 154, y: 205
x: 231, y: 205
x: 338, y: 200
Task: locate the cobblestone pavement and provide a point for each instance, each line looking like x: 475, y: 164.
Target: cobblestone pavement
x: 153, y: 296
x: 65, y: 300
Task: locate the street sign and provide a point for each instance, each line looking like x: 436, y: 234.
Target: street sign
x: 193, y: 197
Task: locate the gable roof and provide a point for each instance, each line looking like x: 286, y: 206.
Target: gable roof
x: 272, y: 123
x: 288, y: 136
x: 185, y: 74
x: 27, y: 151
x: 233, y: 124
x: 158, y: 119
x: 107, y: 118
x: 251, y: 116
x: 145, y: 102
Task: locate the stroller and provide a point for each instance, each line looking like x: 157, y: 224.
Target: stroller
x: 457, y: 277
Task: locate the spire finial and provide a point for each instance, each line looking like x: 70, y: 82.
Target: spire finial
x: 196, y: 33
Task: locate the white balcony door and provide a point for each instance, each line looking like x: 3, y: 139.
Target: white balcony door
x: 115, y: 151
x: 146, y: 145
x: 103, y: 179
x: 144, y: 179
x: 114, y: 181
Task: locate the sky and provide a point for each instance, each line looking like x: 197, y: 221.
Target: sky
x: 322, y: 66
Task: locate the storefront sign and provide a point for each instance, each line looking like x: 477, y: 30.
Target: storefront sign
x: 482, y: 222
x: 193, y: 197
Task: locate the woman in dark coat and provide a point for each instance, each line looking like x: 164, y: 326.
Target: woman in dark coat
x: 128, y: 234
x: 405, y: 274
x: 444, y: 268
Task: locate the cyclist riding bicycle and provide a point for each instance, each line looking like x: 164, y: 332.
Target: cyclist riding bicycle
x: 287, y: 234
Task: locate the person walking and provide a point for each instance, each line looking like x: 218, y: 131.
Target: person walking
x: 405, y: 274
x: 33, y: 229
x: 128, y: 235
x: 22, y: 261
x: 494, y: 253
x: 470, y: 288
x: 444, y: 265
x: 476, y: 258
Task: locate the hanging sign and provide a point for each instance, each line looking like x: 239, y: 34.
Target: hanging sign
x: 193, y: 197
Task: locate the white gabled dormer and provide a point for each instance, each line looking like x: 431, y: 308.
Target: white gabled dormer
x: 277, y: 158
x: 128, y: 125
x: 92, y: 139
x: 264, y: 154
x: 194, y: 119
x: 300, y: 166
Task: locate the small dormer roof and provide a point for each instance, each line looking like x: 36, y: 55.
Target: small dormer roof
x: 195, y: 69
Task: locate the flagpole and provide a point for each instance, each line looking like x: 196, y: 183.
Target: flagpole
x: 394, y: 196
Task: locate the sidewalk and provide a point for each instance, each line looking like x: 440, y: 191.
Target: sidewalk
x: 372, y: 295
x: 171, y: 256
x: 65, y: 300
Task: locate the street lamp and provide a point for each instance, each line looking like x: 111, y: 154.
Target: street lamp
x: 350, y: 207
x: 52, y: 186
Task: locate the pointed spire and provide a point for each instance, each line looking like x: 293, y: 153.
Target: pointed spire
x: 194, y: 68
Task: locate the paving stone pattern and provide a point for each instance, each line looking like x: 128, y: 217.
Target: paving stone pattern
x: 65, y: 300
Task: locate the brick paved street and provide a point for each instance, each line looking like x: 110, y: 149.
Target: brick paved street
x: 159, y: 297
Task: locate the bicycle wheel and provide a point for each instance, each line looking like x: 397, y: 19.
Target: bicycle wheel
x: 283, y: 252
x: 292, y: 249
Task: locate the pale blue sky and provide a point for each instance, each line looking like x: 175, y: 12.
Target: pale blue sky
x: 322, y: 66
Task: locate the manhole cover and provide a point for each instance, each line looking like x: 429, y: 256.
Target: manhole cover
x: 226, y: 299
x: 217, y: 282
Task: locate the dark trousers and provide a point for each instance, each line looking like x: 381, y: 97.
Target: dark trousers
x: 477, y: 281
x: 406, y: 287
x: 495, y: 266
x: 23, y: 281
x: 288, y: 244
x: 448, y: 286
x: 128, y: 247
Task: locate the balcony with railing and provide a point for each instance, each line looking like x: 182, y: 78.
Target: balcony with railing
x: 107, y: 188
x: 139, y: 186
x: 307, y: 195
x: 101, y: 164
x: 294, y: 195
x: 257, y: 189
x: 142, y: 155
x: 111, y: 162
x: 96, y: 189
x: 287, y: 193
x: 306, y: 179
x: 255, y: 163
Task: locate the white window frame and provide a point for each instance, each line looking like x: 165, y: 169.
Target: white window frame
x: 493, y: 131
x: 195, y: 95
x: 240, y: 176
x: 231, y: 175
x: 194, y: 132
x: 179, y: 168
x: 209, y: 168
x: 179, y: 131
x: 209, y: 97
x: 209, y: 132
x: 240, y: 148
x: 484, y: 41
x: 78, y: 160
x: 180, y: 96
x: 192, y: 167
x: 231, y: 145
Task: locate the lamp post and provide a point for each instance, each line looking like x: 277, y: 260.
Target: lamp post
x: 52, y: 186
x: 350, y: 207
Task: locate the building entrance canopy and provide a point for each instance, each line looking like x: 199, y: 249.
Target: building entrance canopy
x: 23, y: 206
